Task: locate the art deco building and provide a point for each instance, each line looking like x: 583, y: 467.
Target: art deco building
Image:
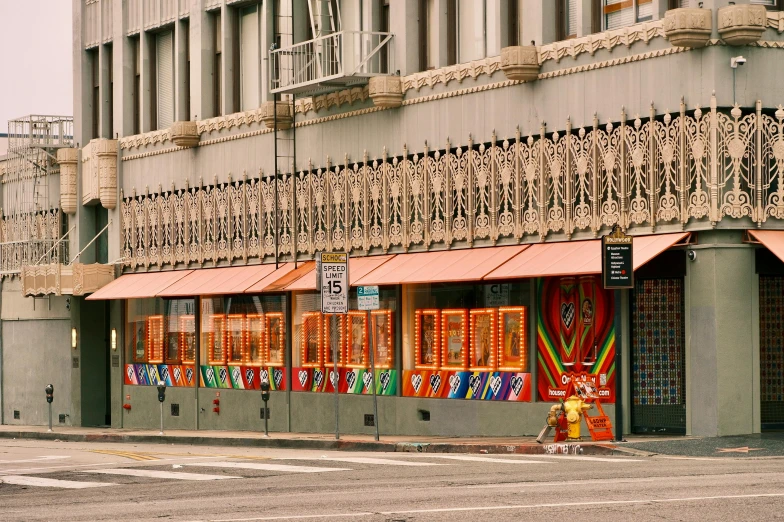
x: 469, y: 155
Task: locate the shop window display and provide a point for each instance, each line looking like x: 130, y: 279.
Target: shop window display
x: 467, y: 341
x: 160, y: 342
x: 354, y: 335
x: 243, y: 341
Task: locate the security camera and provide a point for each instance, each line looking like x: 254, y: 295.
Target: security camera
x: 692, y: 255
x: 735, y: 61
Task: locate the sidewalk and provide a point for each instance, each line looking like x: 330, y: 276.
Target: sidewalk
x: 388, y: 443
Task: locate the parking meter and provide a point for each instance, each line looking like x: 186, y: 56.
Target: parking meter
x: 161, y: 393
x: 49, y: 398
x: 265, y: 391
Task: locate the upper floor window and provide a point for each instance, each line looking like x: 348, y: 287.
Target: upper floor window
x: 471, y: 35
x: 770, y: 4
x: 250, y: 72
x: 163, y: 104
x: 566, y: 16
x: 620, y: 13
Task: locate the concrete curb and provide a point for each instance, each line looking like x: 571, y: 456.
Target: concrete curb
x: 341, y: 445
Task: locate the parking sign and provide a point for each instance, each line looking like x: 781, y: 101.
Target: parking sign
x: 334, y: 283
x: 367, y: 298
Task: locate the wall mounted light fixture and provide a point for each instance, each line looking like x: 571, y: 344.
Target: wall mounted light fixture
x: 73, y: 338
x: 114, y: 339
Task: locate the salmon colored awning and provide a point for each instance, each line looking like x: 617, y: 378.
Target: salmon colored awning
x: 218, y: 281
x: 441, y: 267
x: 578, y: 257
x: 358, y: 267
x: 772, y: 239
x: 137, y: 286
x: 284, y: 275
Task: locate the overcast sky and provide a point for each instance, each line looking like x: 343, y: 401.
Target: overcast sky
x: 35, y: 59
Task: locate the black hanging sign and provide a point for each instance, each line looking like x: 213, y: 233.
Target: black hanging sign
x: 617, y: 264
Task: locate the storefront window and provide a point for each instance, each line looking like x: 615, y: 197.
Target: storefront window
x: 466, y: 341
x: 243, y: 331
x: 160, y: 341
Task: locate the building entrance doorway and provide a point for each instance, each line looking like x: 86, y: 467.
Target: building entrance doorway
x: 658, y: 357
x: 771, y: 319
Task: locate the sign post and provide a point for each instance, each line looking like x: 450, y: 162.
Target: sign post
x: 618, y: 275
x: 367, y: 299
x: 333, y: 275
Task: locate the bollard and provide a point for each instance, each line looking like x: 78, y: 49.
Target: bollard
x: 265, y: 396
x: 161, y: 398
x: 49, y: 398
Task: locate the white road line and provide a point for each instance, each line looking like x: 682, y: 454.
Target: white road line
x: 488, y: 459
x: 37, y: 459
x: 510, y: 507
x: 152, y: 473
x: 365, y: 460
x: 50, y: 483
x: 264, y: 467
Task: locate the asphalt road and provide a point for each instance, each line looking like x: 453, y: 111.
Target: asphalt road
x: 42, y: 480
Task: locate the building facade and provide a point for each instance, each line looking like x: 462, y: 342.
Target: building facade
x: 467, y: 155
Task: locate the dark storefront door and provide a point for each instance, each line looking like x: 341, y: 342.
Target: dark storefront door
x: 771, y: 320
x: 658, y: 357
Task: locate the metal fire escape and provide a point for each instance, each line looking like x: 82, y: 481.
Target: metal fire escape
x: 32, y: 221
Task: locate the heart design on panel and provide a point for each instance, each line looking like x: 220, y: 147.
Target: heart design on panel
x: 416, y: 382
x: 223, y: 374
x: 333, y: 377
x: 435, y: 382
x: 164, y: 373
x: 517, y: 384
x: 384, y: 378
x: 495, y: 384
x: 567, y: 314
x: 303, y: 377
x: 210, y: 374
x: 367, y: 378
x: 189, y: 374
x: 277, y: 376
x: 318, y: 378
x: 235, y: 374
x: 177, y: 374
x: 263, y: 376
x: 454, y: 383
x: 351, y: 378
x: 475, y: 382
x: 130, y: 373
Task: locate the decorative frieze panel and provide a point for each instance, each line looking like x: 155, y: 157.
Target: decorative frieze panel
x: 99, y: 173
x: 640, y: 173
x: 60, y: 279
x: 29, y: 239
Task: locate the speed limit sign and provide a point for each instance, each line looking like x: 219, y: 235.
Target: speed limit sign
x: 334, y: 283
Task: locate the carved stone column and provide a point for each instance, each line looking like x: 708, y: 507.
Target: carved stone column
x: 106, y: 152
x: 520, y: 62
x: 267, y: 115
x: 688, y: 27
x: 67, y: 158
x: 386, y: 91
x: 742, y: 24
x: 184, y: 133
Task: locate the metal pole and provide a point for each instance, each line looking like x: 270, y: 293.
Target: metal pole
x: 266, y: 420
x: 337, y: 375
x: 618, y: 368
x: 50, y: 417
x: 161, y: 433
x: 373, y: 373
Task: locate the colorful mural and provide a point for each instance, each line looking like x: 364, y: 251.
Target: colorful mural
x: 242, y: 377
x: 351, y: 380
x: 171, y: 375
x: 575, y: 334
x: 488, y: 386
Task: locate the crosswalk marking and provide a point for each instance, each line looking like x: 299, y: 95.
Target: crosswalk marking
x: 21, y: 480
x: 265, y: 467
x: 487, y: 459
x: 579, y: 457
x: 152, y: 473
x: 366, y: 460
x: 126, y: 454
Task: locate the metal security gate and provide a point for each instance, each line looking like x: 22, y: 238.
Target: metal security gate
x: 771, y: 290
x: 658, y: 357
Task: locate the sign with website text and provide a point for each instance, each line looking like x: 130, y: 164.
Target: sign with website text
x: 617, y: 264
x: 334, y: 283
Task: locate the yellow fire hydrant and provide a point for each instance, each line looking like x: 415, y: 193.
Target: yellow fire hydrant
x: 574, y: 407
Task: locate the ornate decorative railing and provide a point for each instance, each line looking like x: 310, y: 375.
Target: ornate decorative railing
x: 687, y: 169
x: 30, y: 239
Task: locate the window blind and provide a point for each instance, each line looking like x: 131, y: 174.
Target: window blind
x: 249, y: 58
x: 165, y: 77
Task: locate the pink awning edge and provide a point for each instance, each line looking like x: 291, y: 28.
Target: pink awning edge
x: 358, y: 267
x: 218, y: 281
x: 137, y: 286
